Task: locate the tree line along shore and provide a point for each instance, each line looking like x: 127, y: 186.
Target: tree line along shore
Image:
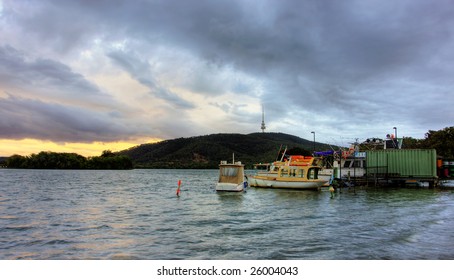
x: 53, y: 160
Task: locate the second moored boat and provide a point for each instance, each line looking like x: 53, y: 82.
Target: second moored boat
x: 298, y: 172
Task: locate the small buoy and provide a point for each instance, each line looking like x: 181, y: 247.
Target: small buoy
x: 331, y: 189
x: 178, y: 189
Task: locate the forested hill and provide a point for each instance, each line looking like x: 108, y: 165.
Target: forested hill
x: 207, y: 151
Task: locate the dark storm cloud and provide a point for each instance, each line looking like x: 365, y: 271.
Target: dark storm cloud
x: 318, y: 54
x: 60, y: 105
x: 140, y: 71
x: 346, y: 63
x: 50, y: 78
x: 31, y: 118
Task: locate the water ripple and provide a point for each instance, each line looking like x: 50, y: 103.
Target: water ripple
x: 65, y: 214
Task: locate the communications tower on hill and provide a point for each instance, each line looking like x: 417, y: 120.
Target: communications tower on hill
x: 263, y: 127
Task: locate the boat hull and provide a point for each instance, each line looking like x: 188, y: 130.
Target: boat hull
x: 262, y: 182
x: 229, y: 187
x: 328, y: 178
x: 447, y: 183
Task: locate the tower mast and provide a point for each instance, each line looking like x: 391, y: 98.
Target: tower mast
x: 263, y: 127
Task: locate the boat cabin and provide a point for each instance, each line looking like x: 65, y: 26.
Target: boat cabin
x: 352, y: 167
x: 296, y: 172
x: 231, y: 177
x: 231, y: 173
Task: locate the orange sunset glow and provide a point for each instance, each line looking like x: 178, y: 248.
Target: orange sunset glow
x: 29, y: 146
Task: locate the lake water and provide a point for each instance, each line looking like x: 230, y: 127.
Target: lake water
x: 135, y: 214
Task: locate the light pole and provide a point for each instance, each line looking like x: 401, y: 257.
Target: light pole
x: 395, y: 136
x: 313, y: 146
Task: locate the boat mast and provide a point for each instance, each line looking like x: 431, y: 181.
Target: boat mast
x: 278, y: 153
x: 283, y: 154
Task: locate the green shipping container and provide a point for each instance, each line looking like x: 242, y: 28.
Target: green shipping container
x: 418, y: 163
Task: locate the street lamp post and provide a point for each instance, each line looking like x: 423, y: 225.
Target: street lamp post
x: 313, y: 144
x: 395, y: 136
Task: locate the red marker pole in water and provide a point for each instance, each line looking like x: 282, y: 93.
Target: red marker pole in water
x: 178, y: 189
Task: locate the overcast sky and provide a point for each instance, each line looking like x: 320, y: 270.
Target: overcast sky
x: 133, y: 71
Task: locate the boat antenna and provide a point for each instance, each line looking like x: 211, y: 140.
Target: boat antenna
x: 263, y: 127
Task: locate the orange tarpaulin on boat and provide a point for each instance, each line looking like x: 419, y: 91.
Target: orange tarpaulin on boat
x: 300, y: 160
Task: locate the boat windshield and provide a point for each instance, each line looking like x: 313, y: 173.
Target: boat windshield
x: 229, y: 171
x: 230, y: 174
x: 312, y: 174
